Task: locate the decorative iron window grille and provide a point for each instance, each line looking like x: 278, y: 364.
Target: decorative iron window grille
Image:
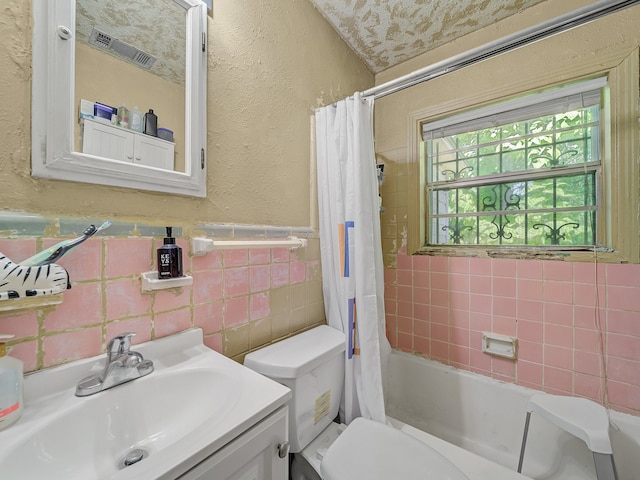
x: 524, y: 172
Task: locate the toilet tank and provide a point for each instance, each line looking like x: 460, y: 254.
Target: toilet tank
x: 311, y: 364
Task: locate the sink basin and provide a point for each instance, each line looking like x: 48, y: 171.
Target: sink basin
x: 194, y: 402
x: 144, y: 414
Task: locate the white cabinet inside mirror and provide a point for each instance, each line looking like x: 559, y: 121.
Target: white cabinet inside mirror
x: 82, y: 50
x: 109, y: 141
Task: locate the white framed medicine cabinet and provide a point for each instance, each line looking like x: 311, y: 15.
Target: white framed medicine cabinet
x: 56, y: 123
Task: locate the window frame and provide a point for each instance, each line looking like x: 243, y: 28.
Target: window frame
x: 563, y: 98
x: 620, y: 183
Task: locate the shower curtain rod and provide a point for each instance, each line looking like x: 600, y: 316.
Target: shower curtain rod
x: 543, y: 30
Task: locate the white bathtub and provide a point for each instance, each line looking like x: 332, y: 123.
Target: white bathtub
x: 487, y: 417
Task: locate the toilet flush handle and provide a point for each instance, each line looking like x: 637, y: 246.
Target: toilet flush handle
x: 283, y: 449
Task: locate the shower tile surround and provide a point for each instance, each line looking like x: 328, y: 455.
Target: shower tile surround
x: 242, y: 299
x: 438, y: 307
x: 577, y: 323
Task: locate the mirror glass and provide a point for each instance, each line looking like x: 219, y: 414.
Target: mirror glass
x: 99, y: 67
x: 132, y: 54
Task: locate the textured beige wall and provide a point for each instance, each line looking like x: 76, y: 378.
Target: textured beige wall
x: 270, y: 64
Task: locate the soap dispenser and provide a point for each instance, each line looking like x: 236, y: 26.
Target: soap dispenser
x: 11, y: 386
x: 169, y: 258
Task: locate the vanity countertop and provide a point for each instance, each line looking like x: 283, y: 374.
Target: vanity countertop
x: 195, y: 402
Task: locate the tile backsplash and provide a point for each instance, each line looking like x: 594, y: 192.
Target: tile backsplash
x: 242, y: 299
x: 577, y: 324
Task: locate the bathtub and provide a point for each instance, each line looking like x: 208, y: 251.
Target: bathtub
x: 486, y: 417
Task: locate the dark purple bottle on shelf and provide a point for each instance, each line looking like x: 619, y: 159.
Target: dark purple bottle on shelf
x: 169, y: 258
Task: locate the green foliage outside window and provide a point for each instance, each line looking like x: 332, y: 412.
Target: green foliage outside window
x: 531, y: 182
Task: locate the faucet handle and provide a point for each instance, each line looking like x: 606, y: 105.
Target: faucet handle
x: 120, y: 344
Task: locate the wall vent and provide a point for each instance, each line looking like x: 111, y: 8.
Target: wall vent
x: 143, y: 59
x: 107, y: 42
x: 100, y: 39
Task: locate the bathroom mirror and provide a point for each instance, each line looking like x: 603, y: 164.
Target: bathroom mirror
x: 149, y: 54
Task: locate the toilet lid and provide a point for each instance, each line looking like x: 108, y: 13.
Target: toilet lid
x: 297, y: 355
x: 369, y: 450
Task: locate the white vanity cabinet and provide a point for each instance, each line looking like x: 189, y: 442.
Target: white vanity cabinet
x: 260, y: 453
x: 110, y: 141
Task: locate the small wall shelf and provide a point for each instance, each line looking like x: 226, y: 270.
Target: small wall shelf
x: 18, y: 305
x: 151, y: 282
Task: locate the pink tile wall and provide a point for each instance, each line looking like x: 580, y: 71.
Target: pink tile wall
x: 577, y: 324
x: 230, y: 289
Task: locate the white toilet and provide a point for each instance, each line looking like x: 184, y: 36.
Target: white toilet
x: 311, y: 364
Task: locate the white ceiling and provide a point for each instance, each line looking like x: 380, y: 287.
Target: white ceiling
x: 387, y: 32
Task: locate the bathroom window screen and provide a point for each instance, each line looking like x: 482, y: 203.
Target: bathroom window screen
x: 523, y: 172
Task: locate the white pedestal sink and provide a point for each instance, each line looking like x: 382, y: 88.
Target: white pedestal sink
x: 193, y: 404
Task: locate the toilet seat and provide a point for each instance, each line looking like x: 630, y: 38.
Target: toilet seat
x: 369, y: 450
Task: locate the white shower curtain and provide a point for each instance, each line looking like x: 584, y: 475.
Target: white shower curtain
x: 351, y: 251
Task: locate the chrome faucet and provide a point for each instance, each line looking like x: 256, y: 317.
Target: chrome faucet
x: 122, y: 366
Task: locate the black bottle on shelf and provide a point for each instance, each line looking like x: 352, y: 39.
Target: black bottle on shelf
x: 151, y: 123
x: 169, y: 258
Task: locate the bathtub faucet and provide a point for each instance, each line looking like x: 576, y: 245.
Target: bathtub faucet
x: 123, y: 365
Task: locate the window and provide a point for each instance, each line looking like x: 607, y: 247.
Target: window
x: 525, y: 172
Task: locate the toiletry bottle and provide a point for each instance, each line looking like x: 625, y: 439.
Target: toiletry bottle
x: 11, y: 396
x: 135, y: 120
x: 169, y: 258
x: 123, y: 116
x: 151, y: 123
